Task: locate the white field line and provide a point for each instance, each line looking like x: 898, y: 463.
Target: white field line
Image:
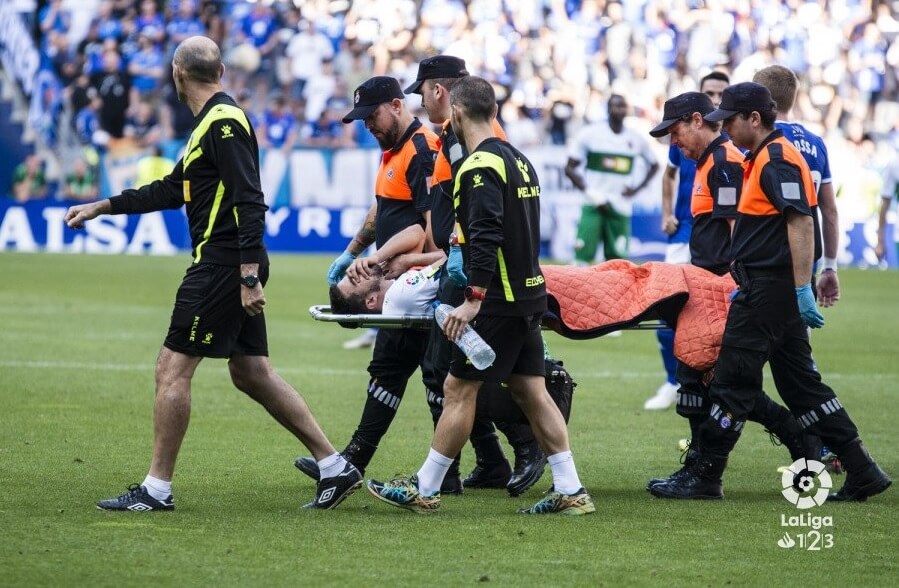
x: 137, y: 367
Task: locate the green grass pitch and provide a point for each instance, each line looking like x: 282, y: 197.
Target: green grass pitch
x: 78, y: 342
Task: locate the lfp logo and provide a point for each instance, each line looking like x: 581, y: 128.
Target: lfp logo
x: 806, y: 483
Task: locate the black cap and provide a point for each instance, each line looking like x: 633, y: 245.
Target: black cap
x: 680, y: 106
x: 434, y: 68
x: 371, y: 94
x: 744, y: 97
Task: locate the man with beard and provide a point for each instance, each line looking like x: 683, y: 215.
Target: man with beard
x: 496, y: 199
x: 435, y: 80
x: 402, y: 199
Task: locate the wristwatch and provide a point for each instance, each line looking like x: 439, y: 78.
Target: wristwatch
x: 249, y: 281
x: 474, y: 294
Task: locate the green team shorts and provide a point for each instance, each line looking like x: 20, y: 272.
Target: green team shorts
x: 604, y: 225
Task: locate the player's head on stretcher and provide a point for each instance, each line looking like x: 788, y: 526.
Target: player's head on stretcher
x: 410, y: 294
x: 365, y: 296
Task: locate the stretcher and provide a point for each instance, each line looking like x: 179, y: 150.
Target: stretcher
x: 322, y: 312
x: 589, y: 302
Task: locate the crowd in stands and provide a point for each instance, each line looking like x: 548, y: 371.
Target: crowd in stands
x: 293, y: 64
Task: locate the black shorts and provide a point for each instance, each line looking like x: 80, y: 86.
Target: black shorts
x: 209, y: 320
x: 518, y: 345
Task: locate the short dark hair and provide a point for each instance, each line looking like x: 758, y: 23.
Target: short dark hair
x: 201, y: 63
x: 715, y: 75
x: 475, y: 96
x: 447, y: 83
x: 347, y: 304
x: 781, y: 82
x: 768, y: 117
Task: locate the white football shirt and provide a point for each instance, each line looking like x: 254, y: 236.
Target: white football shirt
x: 609, y: 160
x: 413, y: 292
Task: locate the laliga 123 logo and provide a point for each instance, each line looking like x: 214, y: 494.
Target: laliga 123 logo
x: 806, y: 483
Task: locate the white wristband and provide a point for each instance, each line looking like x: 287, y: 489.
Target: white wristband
x: 828, y: 263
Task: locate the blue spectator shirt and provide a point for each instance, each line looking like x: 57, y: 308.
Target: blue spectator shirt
x: 332, y: 129
x: 278, y: 127
x: 151, y: 26
x: 186, y: 27
x: 682, y: 205
x: 147, y: 59
x: 86, y: 124
x: 108, y: 28
x: 258, y: 28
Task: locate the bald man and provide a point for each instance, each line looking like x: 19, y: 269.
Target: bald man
x: 219, y: 307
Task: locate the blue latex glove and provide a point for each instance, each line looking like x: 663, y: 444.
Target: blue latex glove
x: 807, y: 308
x: 339, y: 267
x: 733, y: 294
x: 454, y: 267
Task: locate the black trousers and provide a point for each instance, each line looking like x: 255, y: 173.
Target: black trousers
x: 764, y: 326
x: 396, y: 356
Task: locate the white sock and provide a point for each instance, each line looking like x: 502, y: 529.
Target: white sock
x: 331, y: 466
x: 565, y: 476
x: 158, y: 489
x: 432, y: 472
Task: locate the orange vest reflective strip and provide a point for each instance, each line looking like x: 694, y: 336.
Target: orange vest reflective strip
x: 753, y: 200
x: 702, y: 201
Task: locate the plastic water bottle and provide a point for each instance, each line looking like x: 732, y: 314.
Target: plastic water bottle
x: 471, y: 344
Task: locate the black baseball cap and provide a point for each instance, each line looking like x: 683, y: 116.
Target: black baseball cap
x: 434, y: 68
x: 680, y: 106
x: 743, y: 97
x: 372, y: 93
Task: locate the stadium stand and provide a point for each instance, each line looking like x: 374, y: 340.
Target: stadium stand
x: 553, y: 64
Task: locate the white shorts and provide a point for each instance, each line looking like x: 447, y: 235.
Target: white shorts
x: 677, y: 253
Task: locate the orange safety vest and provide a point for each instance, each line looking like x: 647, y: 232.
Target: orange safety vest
x: 753, y: 200
x: 702, y: 201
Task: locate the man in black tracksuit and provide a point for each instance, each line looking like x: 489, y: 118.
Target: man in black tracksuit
x: 436, y: 77
x: 218, y: 308
x: 497, y: 202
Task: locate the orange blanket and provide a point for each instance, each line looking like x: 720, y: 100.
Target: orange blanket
x: 589, y: 302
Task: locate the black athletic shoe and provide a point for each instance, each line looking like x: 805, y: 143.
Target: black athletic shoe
x: 308, y: 466
x: 700, y: 481
x: 137, y: 499
x: 688, y: 486
x: 451, y: 484
x: 687, y: 458
x: 530, y: 464
x: 859, y: 487
x: 495, y: 475
x: 676, y: 476
x: 331, y: 491
x: 452, y: 481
